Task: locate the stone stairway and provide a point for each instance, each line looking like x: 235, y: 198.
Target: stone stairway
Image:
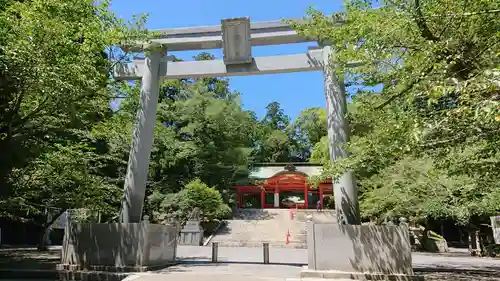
x: 252, y: 227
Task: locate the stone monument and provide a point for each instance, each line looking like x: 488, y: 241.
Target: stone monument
x: 192, y: 232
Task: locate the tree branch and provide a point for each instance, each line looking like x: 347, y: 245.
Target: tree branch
x: 33, y: 113
x: 422, y: 24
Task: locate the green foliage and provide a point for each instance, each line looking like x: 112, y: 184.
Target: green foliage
x: 278, y: 140
x: 195, y: 194
x: 58, y: 180
x: 55, y: 61
x: 63, y: 147
x: 311, y: 123
x: 275, y: 118
x: 426, y: 146
x: 492, y: 250
x: 320, y: 153
x: 273, y: 143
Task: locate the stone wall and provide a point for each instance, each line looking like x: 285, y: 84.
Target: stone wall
x: 359, y: 248
x: 87, y: 246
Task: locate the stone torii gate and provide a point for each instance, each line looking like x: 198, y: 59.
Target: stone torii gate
x: 236, y: 37
x: 335, y: 250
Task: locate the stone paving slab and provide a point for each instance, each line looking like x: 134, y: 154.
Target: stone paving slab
x: 217, y: 277
x: 251, y: 272
x: 197, y: 277
x: 239, y: 269
x: 299, y: 256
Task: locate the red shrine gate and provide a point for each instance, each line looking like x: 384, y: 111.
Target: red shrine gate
x: 280, y: 190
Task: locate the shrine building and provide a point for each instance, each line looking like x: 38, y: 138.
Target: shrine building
x: 282, y: 185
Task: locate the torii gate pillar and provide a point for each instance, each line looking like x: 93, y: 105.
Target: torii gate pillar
x: 345, y: 190
x: 142, y: 139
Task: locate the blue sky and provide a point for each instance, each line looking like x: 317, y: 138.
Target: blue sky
x: 294, y: 91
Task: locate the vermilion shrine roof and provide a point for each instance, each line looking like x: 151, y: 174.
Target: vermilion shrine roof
x: 268, y: 170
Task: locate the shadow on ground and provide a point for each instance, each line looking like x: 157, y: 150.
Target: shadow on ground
x: 29, y: 259
x: 254, y: 214
x: 460, y: 276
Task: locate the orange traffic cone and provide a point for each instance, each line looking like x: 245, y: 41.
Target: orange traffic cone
x: 287, y: 241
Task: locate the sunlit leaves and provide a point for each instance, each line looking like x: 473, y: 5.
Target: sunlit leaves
x: 55, y: 61
x: 426, y: 146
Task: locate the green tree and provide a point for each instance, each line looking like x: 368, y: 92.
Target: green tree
x: 276, y: 140
x: 432, y: 134
x: 311, y: 124
x: 320, y: 153
x: 55, y: 62
x: 310, y: 133
x: 275, y: 118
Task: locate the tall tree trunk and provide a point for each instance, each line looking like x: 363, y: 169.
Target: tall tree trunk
x: 42, y: 246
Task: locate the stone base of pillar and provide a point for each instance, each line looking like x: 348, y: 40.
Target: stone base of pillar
x: 358, y: 252
x: 112, y: 251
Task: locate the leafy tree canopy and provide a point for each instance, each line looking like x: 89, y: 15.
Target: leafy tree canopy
x: 427, y: 145
x: 55, y: 60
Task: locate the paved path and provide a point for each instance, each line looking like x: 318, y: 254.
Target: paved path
x: 298, y: 257
x: 245, y: 264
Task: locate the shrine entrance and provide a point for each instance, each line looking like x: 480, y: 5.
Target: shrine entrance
x: 236, y: 37
x: 283, y: 186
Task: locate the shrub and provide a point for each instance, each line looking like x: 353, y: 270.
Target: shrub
x: 195, y: 194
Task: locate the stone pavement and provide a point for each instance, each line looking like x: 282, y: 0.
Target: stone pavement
x: 298, y: 257
x: 246, y: 264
